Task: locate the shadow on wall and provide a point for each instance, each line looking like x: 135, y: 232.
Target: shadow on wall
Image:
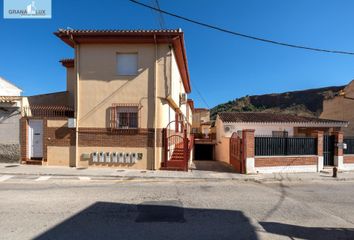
x: 152, y: 220
x: 56, y: 98
x: 309, y: 233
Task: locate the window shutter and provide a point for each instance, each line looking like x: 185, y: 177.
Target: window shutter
x: 113, y: 117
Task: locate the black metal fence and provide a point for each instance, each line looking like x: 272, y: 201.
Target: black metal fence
x: 280, y: 146
x: 350, y: 145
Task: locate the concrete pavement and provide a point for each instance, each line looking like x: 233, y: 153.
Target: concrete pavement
x: 127, y: 210
x: 112, y: 173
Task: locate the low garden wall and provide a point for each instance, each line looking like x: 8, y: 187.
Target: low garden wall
x: 9, y: 153
x: 270, y: 164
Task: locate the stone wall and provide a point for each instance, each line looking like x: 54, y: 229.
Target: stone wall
x: 9, y: 126
x: 9, y: 153
x: 9, y: 135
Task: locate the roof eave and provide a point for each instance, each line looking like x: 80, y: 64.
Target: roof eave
x: 298, y: 124
x: 177, y: 37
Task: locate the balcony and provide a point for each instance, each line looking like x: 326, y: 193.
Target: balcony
x: 201, y: 138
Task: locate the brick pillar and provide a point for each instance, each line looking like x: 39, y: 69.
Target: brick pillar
x: 24, y: 138
x: 319, y: 136
x: 45, y: 139
x: 248, y: 150
x: 338, y: 151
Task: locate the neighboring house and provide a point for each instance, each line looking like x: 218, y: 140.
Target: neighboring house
x: 204, y: 138
x: 123, y: 89
x: 269, y: 126
x: 201, y: 121
x: 10, y: 113
x: 341, y: 108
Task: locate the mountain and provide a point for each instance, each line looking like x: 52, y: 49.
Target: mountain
x: 303, y: 103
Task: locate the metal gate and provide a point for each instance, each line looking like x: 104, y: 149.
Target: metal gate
x: 236, y: 157
x: 328, y: 150
x: 177, y: 148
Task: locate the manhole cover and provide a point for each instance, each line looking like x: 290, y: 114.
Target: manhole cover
x: 161, y: 211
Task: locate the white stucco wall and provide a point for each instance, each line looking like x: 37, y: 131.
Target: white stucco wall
x: 260, y: 129
x: 176, y: 80
x: 8, y: 89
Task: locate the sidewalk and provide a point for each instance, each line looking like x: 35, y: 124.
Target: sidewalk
x: 111, y: 173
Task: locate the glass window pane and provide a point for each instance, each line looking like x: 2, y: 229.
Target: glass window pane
x: 127, y: 117
x: 127, y: 63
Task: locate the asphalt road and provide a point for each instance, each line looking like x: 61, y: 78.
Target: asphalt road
x: 32, y: 208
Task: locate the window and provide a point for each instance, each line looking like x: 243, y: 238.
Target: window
x: 279, y: 133
x: 127, y: 117
x: 127, y: 63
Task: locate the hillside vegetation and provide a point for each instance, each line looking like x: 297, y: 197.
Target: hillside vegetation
x: 302, y: 103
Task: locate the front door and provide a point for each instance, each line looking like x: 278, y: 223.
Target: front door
x: 328, y: 150
x: 35, y: 141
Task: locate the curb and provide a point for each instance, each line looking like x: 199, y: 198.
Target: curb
x: 171, y: 178
x: 117, y: 177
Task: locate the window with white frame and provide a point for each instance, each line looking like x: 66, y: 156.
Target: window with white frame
x: 127, y: 117
x: 127, y: 64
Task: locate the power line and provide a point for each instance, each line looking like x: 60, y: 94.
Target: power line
x: 201, y: 96
x: 241, y: 34
x: 160, y: 18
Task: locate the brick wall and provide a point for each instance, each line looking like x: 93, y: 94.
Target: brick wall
x: 90, y: 137
x: 56, y: 136
x: 348, y: 158
x: 248, y: 142
x: 52, y: 136
x: 23, y: 138
x: 60, y: 137
x: 338, y: 139
x: 285, y: 161
x: 319, y: 136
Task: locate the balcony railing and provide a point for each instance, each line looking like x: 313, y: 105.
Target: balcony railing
x: 48, y: 111
x: 210, y: 136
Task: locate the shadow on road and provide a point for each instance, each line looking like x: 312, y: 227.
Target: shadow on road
x: 308, y: 233
x: 152, y: 220
x: 213, y: 166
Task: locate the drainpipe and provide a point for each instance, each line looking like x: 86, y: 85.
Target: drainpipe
x: 155, y: 106
x: 77, y: 99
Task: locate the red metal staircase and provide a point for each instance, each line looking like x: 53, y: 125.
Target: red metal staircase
x: 177, y: 148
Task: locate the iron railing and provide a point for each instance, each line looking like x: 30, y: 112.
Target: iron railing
x: 48, y: 111
x: 280, y: 146
x: 210, y: 136
x: 350, y: 145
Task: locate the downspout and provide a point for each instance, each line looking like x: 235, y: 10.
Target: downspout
x: 155, y: 106
x: 77, y: 99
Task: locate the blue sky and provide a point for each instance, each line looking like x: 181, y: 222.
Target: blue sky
x: 222, y: 67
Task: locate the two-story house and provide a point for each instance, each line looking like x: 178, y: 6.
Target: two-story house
x: 124, y: 87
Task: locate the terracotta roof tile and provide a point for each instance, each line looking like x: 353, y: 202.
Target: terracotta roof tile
x: 9, y: 98
x: 66, y: 31
x: 68, y: 62
x: 272, y: 118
